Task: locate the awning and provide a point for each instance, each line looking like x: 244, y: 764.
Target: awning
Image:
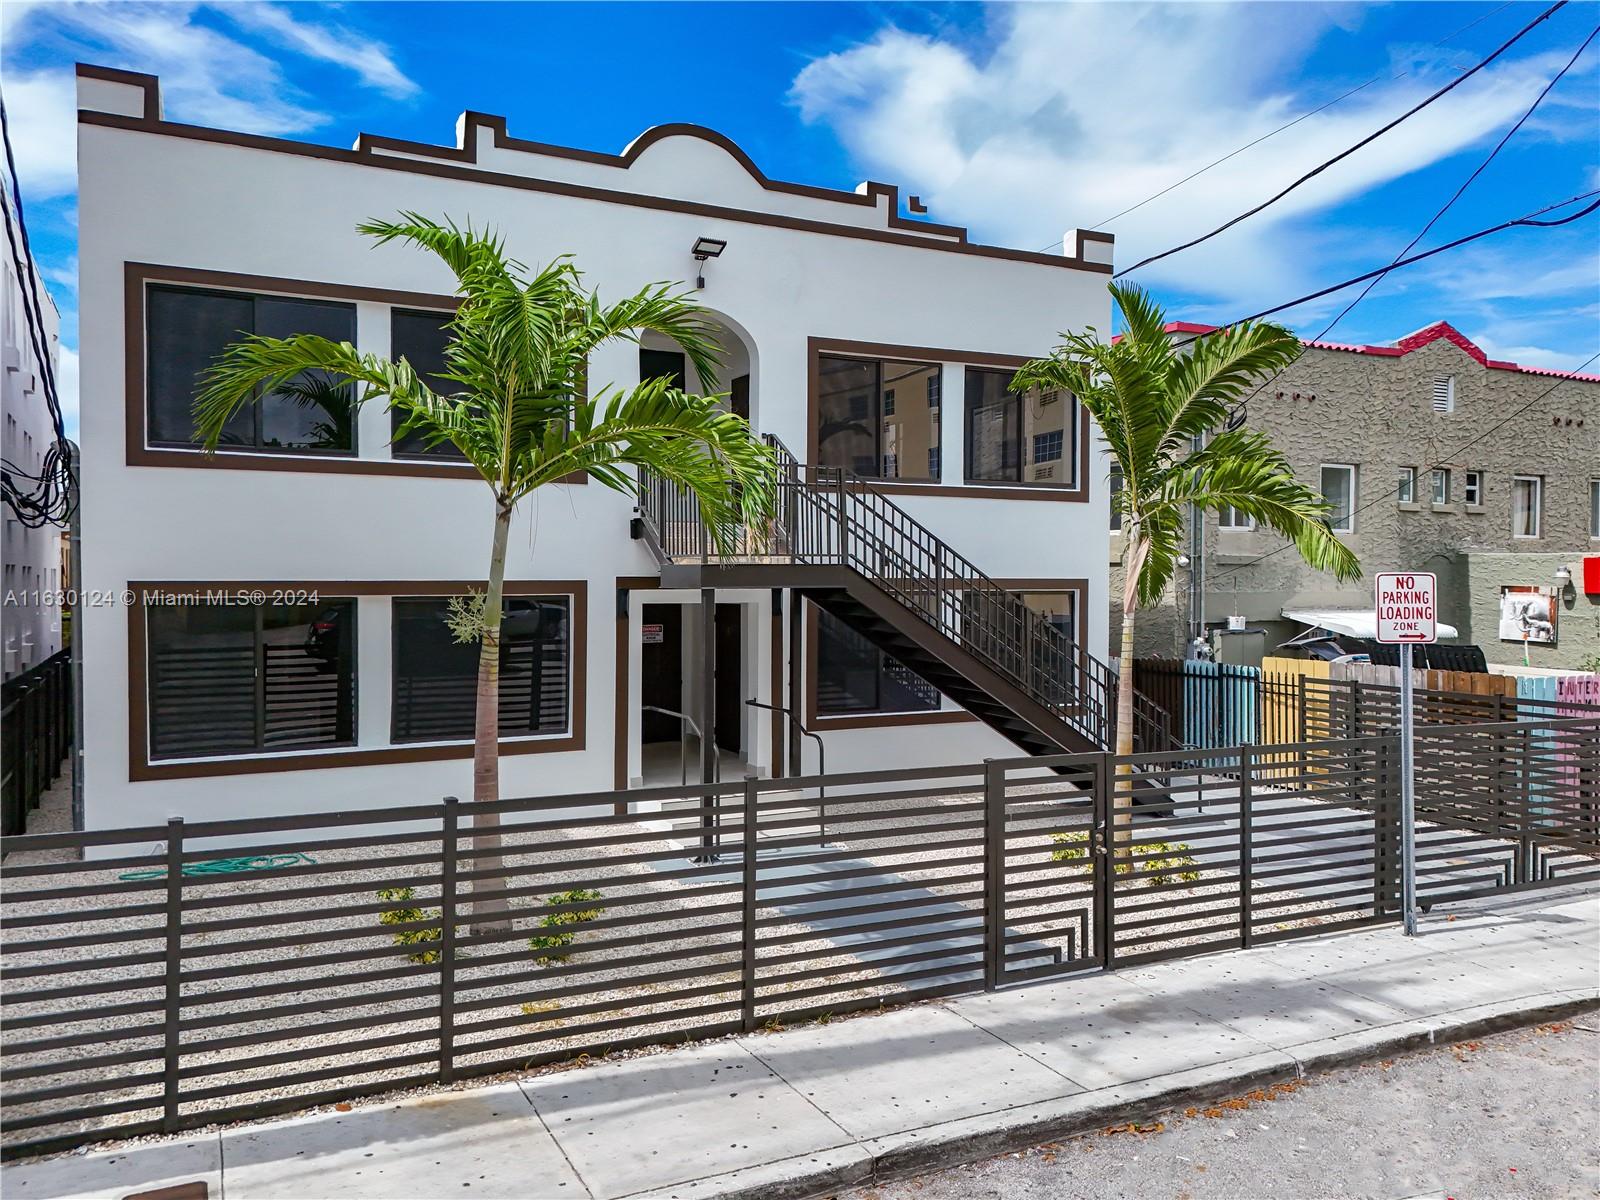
x: 1352, y: 622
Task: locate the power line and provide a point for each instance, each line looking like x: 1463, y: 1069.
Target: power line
x: 1288, y: 125
x: 1442, y: 462
x: 1467, y: 182
x: 47, y: 498
x: 1343, y: 154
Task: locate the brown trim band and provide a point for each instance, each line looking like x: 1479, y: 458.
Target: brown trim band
x: 460, y: 163
x: 141, y: 769
x: 136, y: 275
x: 818, y: 346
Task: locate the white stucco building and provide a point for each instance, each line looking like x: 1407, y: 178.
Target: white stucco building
x: 31, y: 558
x: 858, y: 334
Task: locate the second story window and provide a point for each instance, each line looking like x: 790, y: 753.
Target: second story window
x: 186, y: 329
x: 1339, y: 490
x: 862, y: 428
x: 1229, y: 517
x: 419, y: 337
x: 1527, y: 497
x: 1406, y: 491
x: 1017, y: 437
x: 1472, y: 488
x: 1441, y: 487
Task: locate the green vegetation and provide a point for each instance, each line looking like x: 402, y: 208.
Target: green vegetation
x: 548, y: 944
x: 405, y: 916
x: 1172, y: 862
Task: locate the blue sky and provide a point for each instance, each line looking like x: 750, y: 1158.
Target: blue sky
x: 1016, y: 121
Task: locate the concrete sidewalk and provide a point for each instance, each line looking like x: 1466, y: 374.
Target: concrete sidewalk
x: 818, y: 1108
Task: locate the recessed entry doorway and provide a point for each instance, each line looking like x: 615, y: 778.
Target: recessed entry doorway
x: 672, y: 696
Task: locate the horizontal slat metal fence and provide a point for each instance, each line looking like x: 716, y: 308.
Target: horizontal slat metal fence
x: 166, y: 977
x: 35, y: 735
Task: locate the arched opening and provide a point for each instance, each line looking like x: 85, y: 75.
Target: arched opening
x: 736, y: 380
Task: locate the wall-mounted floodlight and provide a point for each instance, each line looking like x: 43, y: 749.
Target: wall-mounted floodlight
x: 705, y: 248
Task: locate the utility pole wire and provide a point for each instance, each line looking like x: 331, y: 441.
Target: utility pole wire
x: 1343, y: 154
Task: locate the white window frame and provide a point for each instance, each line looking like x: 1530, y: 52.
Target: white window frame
x: 1234, y: 521
x: 1438, y: 476
x: 1472, y: 489
x: 1352, y: 470
x: 1594, y: 509
x: 1538, y: 506
x: 1406, y: 488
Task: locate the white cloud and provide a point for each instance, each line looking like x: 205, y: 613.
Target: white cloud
x: 342, y: 47
x: 1527, y: 355
x: 43, y: 110
x: 1083, y: 110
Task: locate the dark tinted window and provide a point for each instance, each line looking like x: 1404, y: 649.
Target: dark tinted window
x: 1018, y: 437
x: 653, y: 364
x: 188, y: 329
x: 435, y: 677
x: 854, y: 676
x: 241, y: 679
x: 420, y: 338
x: 866, y: 424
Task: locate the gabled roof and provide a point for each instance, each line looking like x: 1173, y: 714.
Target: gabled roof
x: 1412, y: 341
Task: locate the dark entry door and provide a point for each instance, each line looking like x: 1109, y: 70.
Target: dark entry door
x: 739, y: 396
x: 730, y: 663
x: 662, y: 685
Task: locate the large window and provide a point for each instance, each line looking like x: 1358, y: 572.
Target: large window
x: 1018, y: 437
x: 245, y: 679
x: 854, y: 676
x: 1527, y: 496
x: 878, y: 417
x: 188, y: 328
x: 435, y: 676
x: 420, y: 338
x: 1339, y: 490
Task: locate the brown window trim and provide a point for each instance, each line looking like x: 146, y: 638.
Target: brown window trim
x: 140, y: 768
x: 139, y: 453
x: 817, y: 346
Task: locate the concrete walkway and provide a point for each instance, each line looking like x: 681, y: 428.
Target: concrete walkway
x: 814, y: 1109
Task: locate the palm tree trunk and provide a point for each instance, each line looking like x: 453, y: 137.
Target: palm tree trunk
x: 1123, y: 790
x: 489, y: 916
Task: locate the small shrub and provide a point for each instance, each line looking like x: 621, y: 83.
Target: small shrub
x: 549, y: 944
x: 1173, y: 864
x: 404, y: 916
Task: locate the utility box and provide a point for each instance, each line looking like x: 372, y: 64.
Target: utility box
x: 1240, y: 647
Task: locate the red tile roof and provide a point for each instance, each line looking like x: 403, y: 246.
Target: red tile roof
x: 1412, y: 341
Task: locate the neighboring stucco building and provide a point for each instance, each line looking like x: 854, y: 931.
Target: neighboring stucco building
x: 1516, y: 496
x: 855, y: 333
x: 30, y: 609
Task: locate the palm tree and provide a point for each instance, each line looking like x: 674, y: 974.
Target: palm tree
x: 1152, y: 402
x: 519, y: 411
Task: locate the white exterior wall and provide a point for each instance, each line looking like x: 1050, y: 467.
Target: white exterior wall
x: 31, y: 558
x: 150, y: 198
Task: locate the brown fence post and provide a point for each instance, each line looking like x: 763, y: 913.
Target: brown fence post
x: 1525, y: 847
x: 1246, y: 919
x: 171, y: 1050
x: 449, y: 823
x: 747, y: 934
x: 1103, y: 847
x: 994, y: 837
x: 1385, y: 813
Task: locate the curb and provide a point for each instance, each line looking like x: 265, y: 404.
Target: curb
x: 955, y: 1143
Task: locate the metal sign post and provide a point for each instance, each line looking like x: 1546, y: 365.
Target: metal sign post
x: 1407, y: 614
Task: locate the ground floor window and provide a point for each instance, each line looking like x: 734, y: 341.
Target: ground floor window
x: 854, y: 676
x: 435, y: 676
x: 242, y: 679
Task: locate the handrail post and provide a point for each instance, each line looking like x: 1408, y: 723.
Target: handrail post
x: 747, y: 936
x: 450, y: 822
x: 171, y: 1055
x: 844, y: 523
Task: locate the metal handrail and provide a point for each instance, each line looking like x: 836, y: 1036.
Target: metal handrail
x: 822, y: 763
x: 710, y: 808
x: 830, y: 516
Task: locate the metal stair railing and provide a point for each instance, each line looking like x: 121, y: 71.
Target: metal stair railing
x: 830, y: 516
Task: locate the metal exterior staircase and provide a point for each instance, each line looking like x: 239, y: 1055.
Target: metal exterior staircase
x: 838, y: 540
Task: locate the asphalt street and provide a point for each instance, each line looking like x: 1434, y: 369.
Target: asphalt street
x: 1513, y: 1115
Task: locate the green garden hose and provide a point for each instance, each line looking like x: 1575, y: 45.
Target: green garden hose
x: 224, y: 866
